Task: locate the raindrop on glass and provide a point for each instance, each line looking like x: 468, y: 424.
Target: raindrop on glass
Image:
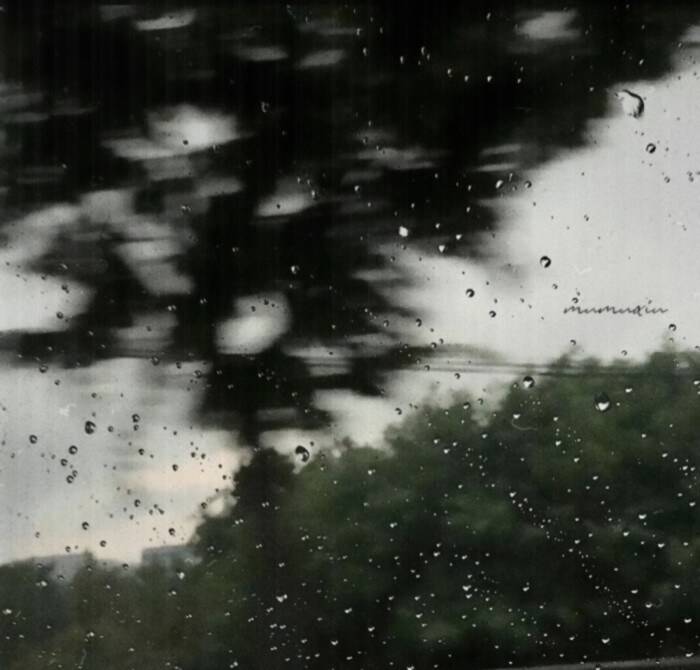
x: 90, y: 427
x: 545, y: 261
x: 528, y: 382
x: 469, y: 293
x: 651, y: 148
x: 303, y: 453
x: 602, y: 402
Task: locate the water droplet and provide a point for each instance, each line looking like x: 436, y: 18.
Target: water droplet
x: 528, y: 184
x: 403, y: 231
x: 545, y: 261
x: 469, y: 293
x: 72, y: 449
x: 171, y: 531
x: 528, y: 382
x: 641, y: 516
x: 651, y: 148
x: 33, y: 439
x: 90, y: 427
x: 672, y: 327
x: 358, y: 189
x: 492, y: 314
x: 43, y: 368
x: 265, y: 107
x: 86, y: 525
x: 602, y: 402
x: 303, y: 453
x: 499, y: 184
x: 441, y: 248
x: 135, y: 418
x: 295, y: 269
x: 631, y: 103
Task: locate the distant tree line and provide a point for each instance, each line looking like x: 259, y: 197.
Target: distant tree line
x: 560, y: 527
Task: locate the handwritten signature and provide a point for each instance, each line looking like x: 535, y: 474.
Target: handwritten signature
x: 638, y: 310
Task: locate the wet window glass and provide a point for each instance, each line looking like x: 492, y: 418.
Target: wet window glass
x: 348, y: 336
